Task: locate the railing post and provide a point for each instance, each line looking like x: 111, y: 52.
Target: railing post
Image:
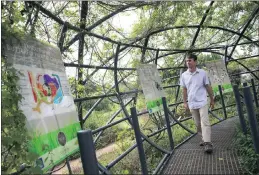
x: 239, y: 109
x: 222, y: 102
x: 168, y: 123
x: 87, y: 151
x: 252, y: 118
x: 141, y: 152
x: 254, y: 92
x: 68, y: 166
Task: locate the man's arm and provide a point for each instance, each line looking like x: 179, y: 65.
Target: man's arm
x: 210, y: 92
x: 185, y: 98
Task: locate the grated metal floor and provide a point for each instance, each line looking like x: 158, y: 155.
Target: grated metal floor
x: 190, y: 158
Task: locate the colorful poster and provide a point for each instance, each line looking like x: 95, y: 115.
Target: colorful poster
x: 218, y: 76
x: 152, y: 87
x: 47, y: 103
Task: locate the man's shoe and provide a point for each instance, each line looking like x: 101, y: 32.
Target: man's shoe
x: 201, y: 143
x: 208, y: 147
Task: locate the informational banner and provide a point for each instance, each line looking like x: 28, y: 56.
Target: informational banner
x: 218, y: 76
x: 152, y: 87
x: 47, y: 102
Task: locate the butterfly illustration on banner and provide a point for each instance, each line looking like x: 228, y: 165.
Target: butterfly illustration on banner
x: 46, y: 89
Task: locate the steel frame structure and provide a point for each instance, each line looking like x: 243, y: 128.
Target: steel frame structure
x: 83, y: 31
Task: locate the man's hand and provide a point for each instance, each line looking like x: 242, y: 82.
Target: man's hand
x: 212, y: 104
x: 186, y: 106
x: 210, y: 92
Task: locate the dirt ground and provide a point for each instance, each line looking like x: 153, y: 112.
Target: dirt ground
x: 76, y: 165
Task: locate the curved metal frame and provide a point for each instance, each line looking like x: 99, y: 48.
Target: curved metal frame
x: 82, y: 31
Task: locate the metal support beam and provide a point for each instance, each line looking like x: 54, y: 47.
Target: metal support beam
x: 62, y: 37
x: 214, y: 115
x: 254, y: 92
x: 83, y: 14
x: 255, y: 12
x: 239, y: 109
x: 144, y: 50
x: 252, y: 118
x: 68, y: 166
x: 87, y: 151
x: 168, y: 126
x: 222, y: 102
x: 157, y: 54
x: 201, y: 23
x: 141, y: 151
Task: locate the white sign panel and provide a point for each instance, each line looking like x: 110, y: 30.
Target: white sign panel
x: 47, y: 102
x: 218, y: 75
x: 152, y: 86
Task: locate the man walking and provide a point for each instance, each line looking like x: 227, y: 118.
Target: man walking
x: 195, y: 83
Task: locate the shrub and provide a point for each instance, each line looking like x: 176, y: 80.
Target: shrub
x: 15, y: 137
x: 248, y: 157
x: 244, y: 145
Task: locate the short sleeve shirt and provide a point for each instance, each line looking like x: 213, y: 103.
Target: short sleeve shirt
x: 196, y: 91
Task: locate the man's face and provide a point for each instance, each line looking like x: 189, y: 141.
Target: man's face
x: 190, y: 63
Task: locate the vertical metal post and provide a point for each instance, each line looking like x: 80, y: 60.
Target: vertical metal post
x: 144, y: 49
x: 141, y: 152
x: 62, y: 36
x: 254, y: 92
x: 177, y: 94
x: 239, y: 109
x: 68, y: 166
x: 87, y: 151
x: 157, y: 54
x: 81, y: 42
x: 252, y: 118
x: 222, y: 102
x: 168, y: 123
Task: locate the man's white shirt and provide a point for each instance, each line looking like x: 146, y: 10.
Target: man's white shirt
x: 195, y: 83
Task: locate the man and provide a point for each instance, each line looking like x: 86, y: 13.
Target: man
x: 195, y: 83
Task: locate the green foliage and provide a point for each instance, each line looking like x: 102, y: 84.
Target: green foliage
x: 245, y: 147
x: 204, y: 58
x: 249, y: 159
x: 141, y: 103
x: 97, y: 119
x: 235, y: 68
x: 14, y: 135
x: 12, y: 20
x: 125, y: 139
x: 106, y: 158
x: 108, y: 136
x: 128, y: 165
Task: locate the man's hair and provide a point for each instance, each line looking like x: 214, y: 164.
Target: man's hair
x: 192, y: 56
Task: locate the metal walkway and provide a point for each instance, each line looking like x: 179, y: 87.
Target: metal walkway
x: 190, y: 158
